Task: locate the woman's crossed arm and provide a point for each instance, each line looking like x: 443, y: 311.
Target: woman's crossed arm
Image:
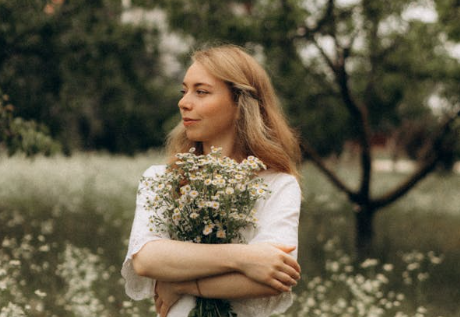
x: 227, y: 271
x: 177, y: 261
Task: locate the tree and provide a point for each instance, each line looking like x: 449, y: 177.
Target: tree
x: 95, y: 82
x: 21, y: 136
x: 345, y: 72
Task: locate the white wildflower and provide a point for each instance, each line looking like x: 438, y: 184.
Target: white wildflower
x: 193, y: 194
x: 39, y: 293
x: 369, y: 263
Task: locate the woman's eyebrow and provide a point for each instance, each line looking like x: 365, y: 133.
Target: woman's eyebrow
x: 197, y: 84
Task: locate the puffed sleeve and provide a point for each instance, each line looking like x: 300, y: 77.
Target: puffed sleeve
x: 139, y: 287
x: 278, y: 222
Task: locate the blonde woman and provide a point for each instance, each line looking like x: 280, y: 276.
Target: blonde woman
x: 228, y: 101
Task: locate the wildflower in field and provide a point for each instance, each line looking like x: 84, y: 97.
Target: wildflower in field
x: 39, y: 293
x: 388, y: 267
x: 369, y: 263
x: 340, y: 293
x: 434, y: 259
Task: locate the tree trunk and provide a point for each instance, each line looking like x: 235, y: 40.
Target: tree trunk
x: 364, y: 232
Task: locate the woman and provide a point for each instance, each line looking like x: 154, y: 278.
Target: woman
x: 228, y: 101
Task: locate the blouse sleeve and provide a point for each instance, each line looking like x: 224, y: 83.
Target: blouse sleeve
x: 139, y: 287
x: 278, y: 222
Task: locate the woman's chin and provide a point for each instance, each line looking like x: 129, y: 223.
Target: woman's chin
x: 193, y: 137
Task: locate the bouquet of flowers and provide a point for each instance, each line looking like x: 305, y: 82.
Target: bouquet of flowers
x: 206, y: 199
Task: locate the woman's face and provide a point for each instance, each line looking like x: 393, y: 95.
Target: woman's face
x: 207, y: 109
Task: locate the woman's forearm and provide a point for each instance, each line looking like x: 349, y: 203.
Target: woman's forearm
x: 170, y: 260
x: 226, y: 286
x: 176, y: 261
x: 229, y: 286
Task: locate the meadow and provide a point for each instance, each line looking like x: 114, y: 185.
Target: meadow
x: 64, y: 225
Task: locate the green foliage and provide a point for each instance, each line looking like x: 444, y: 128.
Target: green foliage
x: 98, y: 83
x: 93, y: 80
x: 449, y: 10
x: 23, y: 136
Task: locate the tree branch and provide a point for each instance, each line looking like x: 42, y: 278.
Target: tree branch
x: 424, y: 170
x: 335, y: 180
x: 326, y: 57
x: 326, y: 18
x: 359, y: 113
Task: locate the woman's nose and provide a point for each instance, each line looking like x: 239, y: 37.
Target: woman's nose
x: 184, y: 102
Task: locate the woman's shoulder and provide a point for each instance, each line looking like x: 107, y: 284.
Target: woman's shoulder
x: 278, y: 179
x: 154, y: 170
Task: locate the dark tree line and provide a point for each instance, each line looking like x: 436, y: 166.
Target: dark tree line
x: 73, y: 66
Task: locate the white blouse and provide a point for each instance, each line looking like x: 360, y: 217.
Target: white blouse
x: 278, y: 221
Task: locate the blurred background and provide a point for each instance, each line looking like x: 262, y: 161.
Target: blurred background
x: 89, y: 90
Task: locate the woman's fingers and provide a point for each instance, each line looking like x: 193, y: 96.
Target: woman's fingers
x: 291, y: 272
x: 271, y: 265
x: 276, y: 284
x: 158, y: 303
x: 164, y: 310
x: 285, y: 279
x: 289, y: 260
x: 161, y: 307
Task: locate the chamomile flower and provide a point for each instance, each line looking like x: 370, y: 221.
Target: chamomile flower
x: 201, y: 204
x: 215, y: 188
x: 213, y: 204
x: 176, y: 218
x: 185, y: 189
x: 221, y: 234
x: 240, y: 187
x: 193, y: 193
x: 208, y: 229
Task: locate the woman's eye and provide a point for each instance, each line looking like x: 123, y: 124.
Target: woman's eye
x: 201, y: 92
x: 182, y: 91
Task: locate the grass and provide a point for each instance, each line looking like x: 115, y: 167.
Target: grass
x: 64, y: 225
x: 425, y: 220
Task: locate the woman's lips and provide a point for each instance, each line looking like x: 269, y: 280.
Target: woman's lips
x: 189, y: 121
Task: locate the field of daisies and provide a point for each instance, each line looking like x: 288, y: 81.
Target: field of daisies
x: 64, y: 225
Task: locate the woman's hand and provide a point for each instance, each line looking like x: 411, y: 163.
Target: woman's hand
x: 166, y: 295
x: 270, y: 264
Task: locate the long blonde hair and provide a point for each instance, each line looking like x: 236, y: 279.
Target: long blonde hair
x: 262, y: 129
